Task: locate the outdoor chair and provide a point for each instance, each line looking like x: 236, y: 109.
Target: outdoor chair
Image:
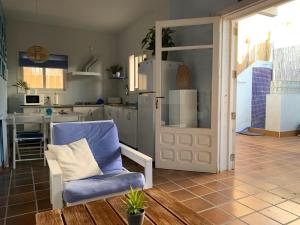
x: 28, y: 145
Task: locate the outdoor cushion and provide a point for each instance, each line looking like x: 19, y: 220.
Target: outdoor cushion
x: 102, y: 137
x: 29, y: 135
x: 97, y: 186
x: 75, y: 160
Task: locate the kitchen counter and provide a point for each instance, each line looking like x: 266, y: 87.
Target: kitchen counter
x: 58, y: 106
x: 123, y: 106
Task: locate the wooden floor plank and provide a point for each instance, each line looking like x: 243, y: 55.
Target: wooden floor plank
x: 185, y: 214
x: 103, y: 214
x: 159, y: 214
x: 77, y: 215
x: 52, y: 217
x: 120, y: 208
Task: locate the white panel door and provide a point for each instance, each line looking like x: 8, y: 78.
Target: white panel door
x: 184, y: 147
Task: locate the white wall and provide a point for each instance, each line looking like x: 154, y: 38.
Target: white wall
x: 198, y: 8
x: 290, y: 113
x: 129, y: 41
x: 72, y: 42
x: 283, y: 112
x: 244, y: 99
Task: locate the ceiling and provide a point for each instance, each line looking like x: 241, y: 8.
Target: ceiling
x: 100, y: 15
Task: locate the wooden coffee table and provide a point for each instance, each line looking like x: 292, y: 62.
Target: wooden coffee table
x: 161, y: 209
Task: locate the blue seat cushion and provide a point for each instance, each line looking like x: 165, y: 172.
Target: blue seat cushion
x: 29, y: 135
x: 97, y: 186
x: 102, y: 137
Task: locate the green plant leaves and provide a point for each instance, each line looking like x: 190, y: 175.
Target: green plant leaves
x: 21, y: 84
x: 115, y: 68
x: 135, y: 201
x: 149, y: 40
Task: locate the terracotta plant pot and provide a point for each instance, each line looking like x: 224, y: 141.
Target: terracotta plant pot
x: 137, y: 219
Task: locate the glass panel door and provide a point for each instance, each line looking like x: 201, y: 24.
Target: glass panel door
x: 187, y: 105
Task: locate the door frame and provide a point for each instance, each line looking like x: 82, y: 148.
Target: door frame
x: 228, y: 76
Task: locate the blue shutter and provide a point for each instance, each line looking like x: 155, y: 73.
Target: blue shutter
x: 54, y: 61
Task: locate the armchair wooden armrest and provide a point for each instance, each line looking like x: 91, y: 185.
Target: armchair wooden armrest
x: 56, y: 181
x: 142, y: 159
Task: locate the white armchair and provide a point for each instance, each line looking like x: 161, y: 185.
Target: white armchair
x: 58, y: 188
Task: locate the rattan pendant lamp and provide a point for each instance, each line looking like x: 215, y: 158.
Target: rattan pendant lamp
x: 37, y: 53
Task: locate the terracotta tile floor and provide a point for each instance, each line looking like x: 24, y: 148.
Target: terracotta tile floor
x: 264, y: 189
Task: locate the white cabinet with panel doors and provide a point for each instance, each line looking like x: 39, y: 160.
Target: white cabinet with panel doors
x: 91, y: 113
x: 129, y: 129
x: 126, y: 121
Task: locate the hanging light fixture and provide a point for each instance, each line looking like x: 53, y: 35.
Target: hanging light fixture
x: 36, y: 53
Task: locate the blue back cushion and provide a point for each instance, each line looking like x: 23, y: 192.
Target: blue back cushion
x: 101, y: 136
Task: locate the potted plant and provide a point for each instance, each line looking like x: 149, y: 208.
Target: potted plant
x: 167, y: 41
x: 115, y: 70
x: 135, y: 207
x: 22, y: 85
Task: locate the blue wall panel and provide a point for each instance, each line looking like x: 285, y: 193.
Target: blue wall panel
x: 261, y: 82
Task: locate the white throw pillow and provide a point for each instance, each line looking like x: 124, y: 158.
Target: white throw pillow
x: 76, y: 160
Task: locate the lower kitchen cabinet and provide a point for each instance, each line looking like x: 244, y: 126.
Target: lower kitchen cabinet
x: 126, y: 122
x: 31, y: 110
x: 90, y: 113
x: 115, y: 113
x: 129, y: 119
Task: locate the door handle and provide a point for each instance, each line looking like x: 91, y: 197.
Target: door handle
x: 156, y: 101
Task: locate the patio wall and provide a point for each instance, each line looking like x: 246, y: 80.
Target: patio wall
x: 283, y: 106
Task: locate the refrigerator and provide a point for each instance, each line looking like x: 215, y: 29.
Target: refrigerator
x: 146, y: 101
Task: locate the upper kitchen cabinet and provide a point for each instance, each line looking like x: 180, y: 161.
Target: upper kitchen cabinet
x: 3, y: 50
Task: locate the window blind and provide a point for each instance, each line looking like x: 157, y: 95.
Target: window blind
x: 54, y: 61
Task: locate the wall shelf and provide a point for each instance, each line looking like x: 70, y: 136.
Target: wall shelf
x: 81, y: 73
x: 117, y: 78
x: 182, y: 48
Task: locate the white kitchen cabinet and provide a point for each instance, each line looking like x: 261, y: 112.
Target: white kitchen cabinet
x: 114, y: 113
x: 60, y: 109
x: 126, y: 122
x: 129, y: 123
x: 30, y: 110
x: 97, y: 113
x: 107, y: 112
x: 91, y: 113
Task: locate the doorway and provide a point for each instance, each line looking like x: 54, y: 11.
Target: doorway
x: 263, y: 58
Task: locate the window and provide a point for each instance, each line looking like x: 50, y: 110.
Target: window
x: 47, y: 75
x: 134, y: 61
x: 54, y: 78
x: 44, y: 78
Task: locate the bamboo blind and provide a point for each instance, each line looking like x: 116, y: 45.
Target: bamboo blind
x: 260, y: 51
x: 286, y: 63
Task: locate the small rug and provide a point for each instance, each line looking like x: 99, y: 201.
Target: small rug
x: 250, y: 133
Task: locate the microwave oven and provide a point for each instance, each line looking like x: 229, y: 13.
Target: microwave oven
x: 32, y: 99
